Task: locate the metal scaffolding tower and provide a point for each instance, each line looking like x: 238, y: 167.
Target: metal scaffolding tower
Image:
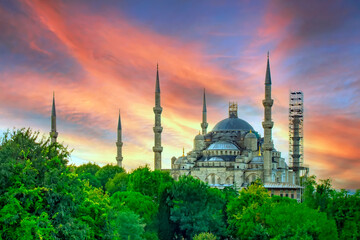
x: 296, y: 109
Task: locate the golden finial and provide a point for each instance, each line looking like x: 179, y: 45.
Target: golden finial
x: 183, y: 152
x: 199, y: 132
x: 259, y: 151
x: 250, y: 131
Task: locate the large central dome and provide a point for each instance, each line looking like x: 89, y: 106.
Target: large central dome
x: 232, y: 124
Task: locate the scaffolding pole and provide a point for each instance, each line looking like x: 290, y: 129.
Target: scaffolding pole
x: 296, y: 109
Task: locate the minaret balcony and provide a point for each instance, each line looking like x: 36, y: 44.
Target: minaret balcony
x: 157, y: 129
x: 157, y: 110
x: 268, y: 102
x: 157, y: 149
x: 54, y: 134
x: 119, y: 144
x: 268, y: 124
x: 268, y: 146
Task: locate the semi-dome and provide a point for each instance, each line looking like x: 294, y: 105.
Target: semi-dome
x: 232, y: 124
x: 215, y: 159
x: 221, y: 145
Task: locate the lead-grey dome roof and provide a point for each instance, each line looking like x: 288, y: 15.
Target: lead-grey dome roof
x: 232, y: 124
x: 221, y: 145
x: 216, y: 159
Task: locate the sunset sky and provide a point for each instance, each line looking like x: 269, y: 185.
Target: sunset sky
x: 101, y: 56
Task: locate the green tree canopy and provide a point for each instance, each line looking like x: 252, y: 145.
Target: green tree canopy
x: 142, y: 205
x: 118, y: 183
x: 195, y: 208
x: 149, y: 183
x: 107, y: 172
x: 205, y: 236
x: 255, y: 215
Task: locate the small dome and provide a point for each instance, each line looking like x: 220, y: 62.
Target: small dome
x: 221, y: 145
x: 216, y: 159
x: 250, y: 135
x: 199, y: 137
x: 232, y: 124
x: 257, y: 160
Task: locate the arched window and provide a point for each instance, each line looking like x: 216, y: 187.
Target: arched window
x: 273, y: 177
x: 213, y: 179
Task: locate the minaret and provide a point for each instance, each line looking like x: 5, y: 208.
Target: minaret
x: 119, y: 143
x: 53, y: 133
x: 296, y: 150
x: 204, y: 124
x: 157, y: 149
x: 267, y: 125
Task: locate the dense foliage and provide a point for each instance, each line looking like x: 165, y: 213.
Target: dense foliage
x: 42, y: 197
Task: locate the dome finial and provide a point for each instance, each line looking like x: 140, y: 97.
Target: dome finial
x: 183, y: 152
x: 250, y: 131
x: 233, y: 110
x: 259, y: 151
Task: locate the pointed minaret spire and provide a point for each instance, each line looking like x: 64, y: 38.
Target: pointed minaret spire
x: 53, y: 133
x: 267, y: 75
x: 157, y: 87
x: 157, y: 149
x: 267, y: 125
x: 119, y: 143
x: 204, y: 123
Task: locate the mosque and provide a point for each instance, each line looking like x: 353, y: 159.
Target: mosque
x: 233, y: 154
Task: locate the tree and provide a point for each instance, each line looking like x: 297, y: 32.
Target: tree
x: 124, y: 225
x: 195, y: 208
x: 205, y: 236
x: 142, y: 205
x: 87, y: 172
x: 41, y: 197
x: 149, y: 183
x: 345, y: 210
x: 107, y: 172
x: 255, y: 215
x: 90, y: 168
x: 118, y: 183
x: 339, y: 205
x: 248, y: 202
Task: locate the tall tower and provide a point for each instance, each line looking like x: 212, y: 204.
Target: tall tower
x: 296, y: 109
x: 53, y: 133
x: 157, y: 149
x: 119, y: 143
x: 296, y: 164
x: 204, y: 123
x: 267, y: 125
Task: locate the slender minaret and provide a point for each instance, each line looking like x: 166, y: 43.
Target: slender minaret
x: 119, y: 143
x: 204, y: 124
x: 157, y: 149
x: 267, y: 125
x: 53, y: 133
